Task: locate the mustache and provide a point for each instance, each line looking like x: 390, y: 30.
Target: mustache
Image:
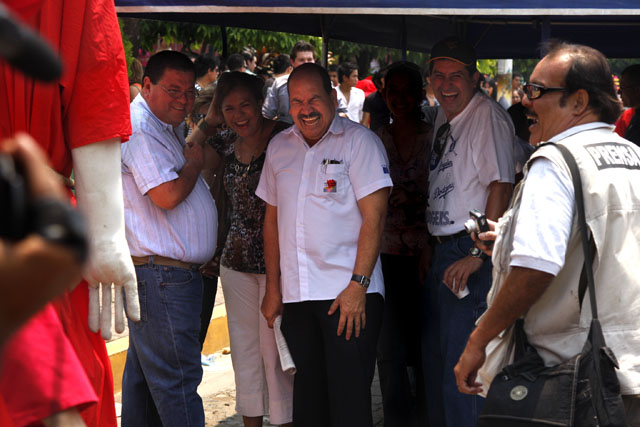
x: 308, y: 116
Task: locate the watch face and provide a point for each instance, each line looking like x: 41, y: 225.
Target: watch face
x: 475, y: 252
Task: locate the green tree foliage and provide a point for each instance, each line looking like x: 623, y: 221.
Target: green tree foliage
x: 487, y: 66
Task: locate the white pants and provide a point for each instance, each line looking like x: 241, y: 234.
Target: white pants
x: 261, y: 386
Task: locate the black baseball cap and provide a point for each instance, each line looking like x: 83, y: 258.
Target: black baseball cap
x: 454, y: 49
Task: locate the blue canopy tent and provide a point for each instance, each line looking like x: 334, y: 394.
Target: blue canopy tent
x: 498, y: 28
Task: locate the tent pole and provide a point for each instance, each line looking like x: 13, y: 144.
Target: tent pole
x: 325, y: 42
x: 225, y: 47
x: 545, y: 35
x: 404, y: 38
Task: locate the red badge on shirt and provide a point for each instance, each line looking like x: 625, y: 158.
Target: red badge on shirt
x: 330, y: 186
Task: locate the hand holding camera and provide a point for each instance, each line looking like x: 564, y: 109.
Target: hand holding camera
x: 482, y: 230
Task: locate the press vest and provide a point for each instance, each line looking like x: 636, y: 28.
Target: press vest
x: 555, y: 325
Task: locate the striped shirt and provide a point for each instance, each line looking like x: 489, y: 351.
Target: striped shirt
x: 153, y: 156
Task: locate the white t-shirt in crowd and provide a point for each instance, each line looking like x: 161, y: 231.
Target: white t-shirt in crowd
x: 478, y: 151
x: 355, y: 104
x: 316, y: 191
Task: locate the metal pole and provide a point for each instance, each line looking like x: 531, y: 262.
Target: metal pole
x: 225, y: 47
x: 545, y: 35
x: 325, y: 41
x: 404, y: 38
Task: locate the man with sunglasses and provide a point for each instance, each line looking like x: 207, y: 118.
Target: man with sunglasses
x: 471, y: 167
x: 171, y: 228
x: 572, y: 102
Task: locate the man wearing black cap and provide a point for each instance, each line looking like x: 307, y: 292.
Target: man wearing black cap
x: 471, y: 167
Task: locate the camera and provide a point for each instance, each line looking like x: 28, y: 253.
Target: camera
x: 478, y: 224
x: 13, y: 199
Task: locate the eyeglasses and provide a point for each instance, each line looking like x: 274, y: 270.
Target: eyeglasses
x: 535, y: 91
x: 176, y: 94
x: 442, y: 135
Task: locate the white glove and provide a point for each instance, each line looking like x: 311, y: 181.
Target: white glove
x: 99, y: 193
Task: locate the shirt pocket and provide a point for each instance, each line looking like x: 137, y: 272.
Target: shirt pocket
x: 332, y: 179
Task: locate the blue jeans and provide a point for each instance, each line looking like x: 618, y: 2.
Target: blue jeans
x: 447, y: 324
x: 163, y: 370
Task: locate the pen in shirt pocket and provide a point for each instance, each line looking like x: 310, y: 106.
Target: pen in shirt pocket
x: 326, y: 162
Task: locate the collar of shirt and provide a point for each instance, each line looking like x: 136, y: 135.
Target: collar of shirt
x: 140, y: 102
x: 580, y: 128
x: 336, y: 128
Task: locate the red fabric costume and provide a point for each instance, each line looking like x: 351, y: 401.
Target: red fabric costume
x: 623, y: 121
x: 41, y: 373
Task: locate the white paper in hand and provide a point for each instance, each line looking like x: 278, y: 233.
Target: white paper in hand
x: 460, y: 294
x: 286, y: 361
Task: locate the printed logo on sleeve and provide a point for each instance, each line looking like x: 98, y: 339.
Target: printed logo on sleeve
x: 613, y: 155
x: 385, y: 169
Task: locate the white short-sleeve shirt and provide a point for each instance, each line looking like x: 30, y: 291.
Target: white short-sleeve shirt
x: 355, y: 105
x: 154, y: 155
x: 316, y: 190
x: 478, y: 151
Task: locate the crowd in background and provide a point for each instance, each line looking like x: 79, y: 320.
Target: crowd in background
x: 205, y: 198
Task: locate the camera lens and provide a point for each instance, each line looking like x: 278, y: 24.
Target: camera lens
x: 470, y: 226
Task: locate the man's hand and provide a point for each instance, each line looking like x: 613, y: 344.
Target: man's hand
x: 194, y: 155
x: 486, y: 236
x: 271, y: 306
x: 211, y: 268
x: 457, y: 274
x: 351, y: 302
x: 467, y: 368
x: 99, y: 193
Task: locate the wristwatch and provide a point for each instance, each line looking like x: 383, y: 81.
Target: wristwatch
x: 477, y: 253
x: 362, y: 280
x: 203, y: 125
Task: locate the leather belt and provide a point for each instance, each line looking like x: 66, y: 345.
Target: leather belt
x: 160, y: 260
x: 442, y: 239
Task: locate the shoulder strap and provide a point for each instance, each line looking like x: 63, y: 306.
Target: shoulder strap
x: 582, y: 225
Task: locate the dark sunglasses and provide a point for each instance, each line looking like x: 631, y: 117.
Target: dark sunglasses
x: 535, y: 91
x: 442, y: 135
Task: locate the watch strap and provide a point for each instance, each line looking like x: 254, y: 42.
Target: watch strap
x: 476, y: 252
x: 364, y: 281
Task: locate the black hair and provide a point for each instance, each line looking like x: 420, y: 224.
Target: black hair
x: 377, y: 78
x: 632, y: 73
x: 233, y: 80
x: 167, y: 59
x: 414, y: 78
x: 301, y: 46
x: 281, y: 63
x: 248, y: 56
x: 515, y: 74
x: 204, y: 63
x: 235, y: 62
x: 311, y: 68
x: 333, y: 67
x: 589, y: 70
x: 345, y: 69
